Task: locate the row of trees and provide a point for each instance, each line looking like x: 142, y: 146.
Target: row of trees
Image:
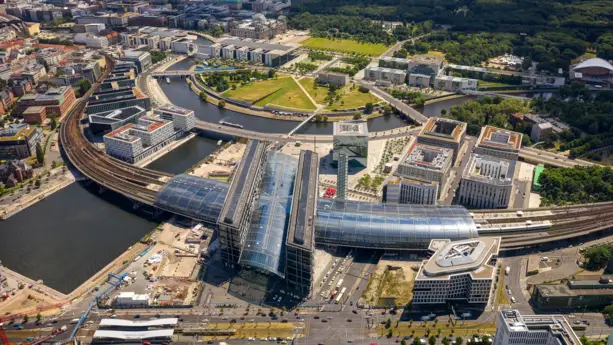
x: 357, y: 63
x: 576, y: 185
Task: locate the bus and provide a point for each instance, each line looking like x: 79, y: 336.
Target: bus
x: 340, y: 282
x: 340, y: 295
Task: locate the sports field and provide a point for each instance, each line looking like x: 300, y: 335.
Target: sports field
x: 283, y: 92
x: 345, y: 46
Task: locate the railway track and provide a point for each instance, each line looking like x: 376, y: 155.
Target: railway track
x: 137, y: 183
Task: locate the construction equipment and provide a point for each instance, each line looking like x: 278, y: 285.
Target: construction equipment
x: 3, y: 339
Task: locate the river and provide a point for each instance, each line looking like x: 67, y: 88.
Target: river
x: 68, y: 237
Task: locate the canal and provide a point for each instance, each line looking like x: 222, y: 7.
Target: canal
x: 68, y: 237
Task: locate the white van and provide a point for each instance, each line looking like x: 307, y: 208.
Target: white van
x: 73, y: 321
x: 513, y: 300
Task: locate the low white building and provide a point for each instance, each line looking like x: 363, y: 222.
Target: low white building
x: 394, y: 76
x: 407, y: 191
x: 419, y: 80
x: 487, y: 182
x: 449, y: 83
x: 458, y: 271
x: 513, y: 328
x: 132, y: 300
x: 92, y: 41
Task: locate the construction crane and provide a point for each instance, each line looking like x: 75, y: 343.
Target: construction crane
x: 3, y: 339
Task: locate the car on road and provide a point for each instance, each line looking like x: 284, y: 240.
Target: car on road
x: 316, y: 317
x: 137, y: 316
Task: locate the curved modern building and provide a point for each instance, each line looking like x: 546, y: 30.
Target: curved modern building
x: 594, y: 70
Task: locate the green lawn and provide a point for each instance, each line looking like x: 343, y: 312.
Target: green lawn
x: 354, y: 99
x: 345, y: 46
x: 283, y: 91
x: 483, y: 83
x: 259, y: 89
x: 319, y: 94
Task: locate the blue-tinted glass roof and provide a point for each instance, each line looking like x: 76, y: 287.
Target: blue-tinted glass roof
x: 373, y: 225
x: 194, y: 197
x: 265, y: 243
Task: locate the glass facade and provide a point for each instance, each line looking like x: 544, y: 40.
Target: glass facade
x: 374, y: 225
x: 193, y: 197
x: 265, y: 244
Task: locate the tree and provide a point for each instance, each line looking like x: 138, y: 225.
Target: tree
x: 25, y: 319
x: 40, y: 155
x: 445, y: 341
x: 432, y: 340
x: 443, y: 112
x: 403, y: 342
x: 53, y: 123
x: 84, y: 85
x: 368, y: 108
x: 390, y: 333
x: 37, y: 183
x: 38, y: 317
x: 388, y: 323
x: 387, y: 110
x: 357, y: 116
x: 272, y: 73
x: 459, y: 340
x: 221, y: 104
x: 203, y: 96
x: 598, y: 257
x: 416, y: 341
x: 410, y: 323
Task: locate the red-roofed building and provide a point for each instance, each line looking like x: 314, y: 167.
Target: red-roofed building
x: 133, y: 142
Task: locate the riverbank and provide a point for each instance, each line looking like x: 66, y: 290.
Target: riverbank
x: 64, y: 179
x: 444, y: 98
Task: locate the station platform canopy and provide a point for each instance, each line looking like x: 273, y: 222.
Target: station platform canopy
x: 166, y: 322
x: 156, y: 334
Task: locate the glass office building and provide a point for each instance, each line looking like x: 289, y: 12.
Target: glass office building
x: 350, y: 138
x: 389, y: 226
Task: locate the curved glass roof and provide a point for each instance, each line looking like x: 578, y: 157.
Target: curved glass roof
x: 265, y: 243
x: 194, y: 197
x: 374, y: 225
x: 595, y: 62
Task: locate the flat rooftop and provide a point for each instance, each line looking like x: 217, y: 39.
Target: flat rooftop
x: 443, y: 129
x: 557, y: 325
x: 399, y: 180
x: 350, y: 128
x: 427, y: 59
x: 428, y: 157
x: 171, y: 108
x: 576, y: 288
x: 238, y: 43
x: 16, y: 132
x: 387, y: 70
x: 499, y: 139
x: 489, y: 169
x: 112, y: 116
x: 467, y: 256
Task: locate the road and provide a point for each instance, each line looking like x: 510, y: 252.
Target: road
x: 532, y: 155
x: 457, y: 170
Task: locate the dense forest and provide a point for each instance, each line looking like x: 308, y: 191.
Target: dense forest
x: 576, y: 185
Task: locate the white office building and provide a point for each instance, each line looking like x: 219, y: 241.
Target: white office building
x: 454, y: 84
x: 426, y: 163
x: 133, y: 142
x: 182, y: 119
x: 407, y: 191
x: 394, y: 76
x: 131, y: 300
x: 487, y: 182
x: 92, y: 41
x: 513, y: 328
x: 350, y: 138
x: 498, y: 142
x: 458, y: 271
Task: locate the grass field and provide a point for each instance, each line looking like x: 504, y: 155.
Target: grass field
x: 350, y: 99
x: 283, y: 92
x: 419, y: 329
x: 483, y: 83
x: 256, y: 329
x: 345, y: 46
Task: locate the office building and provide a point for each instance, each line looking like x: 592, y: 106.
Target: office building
x: 393, y: 76
x: 114, y: 20
x: 116, y: 98
x: 487, y: 182
x: 540, y: 131
x: 443, y: 132
x: 236, y: 212
x: 131, y: 300
x: 183, y: 119
x: 269, y: 54
x: 6, y: 101
x: 300, y: 243
x: 57, y: 101
x: 454, y: 84
x: 426, y: 163
x: 574, y: 295
x: 426, y: 64
x: 19, y: 141
x: 34, y: 115
x: 110, y: 120
x: 342, y: 177
x: 419, y: 80
x: 141, y: 59
x: 133, y: 142
x: 394, y: 63
x: 400, y: 190
x: 91, y: 40
x: 513, y: 328
x: 498, y: 142
x: 338, y: 79
x: 458, y: 271
x: 259, y: 27
x: 350, y: 138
